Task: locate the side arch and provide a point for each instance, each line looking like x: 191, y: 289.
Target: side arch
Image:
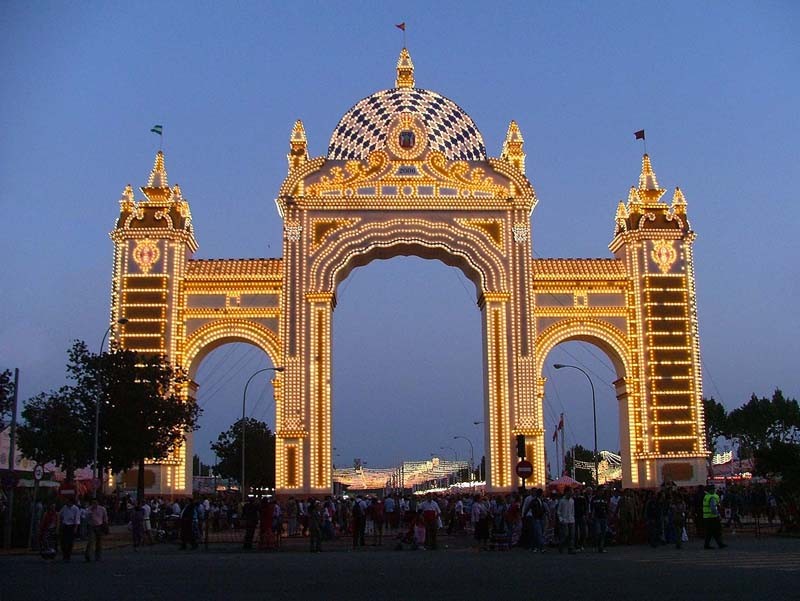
x: 603, y: 335
x: 218, y: 332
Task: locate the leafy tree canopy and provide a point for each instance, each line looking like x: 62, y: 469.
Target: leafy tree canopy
x: 716, y: 423
x: 143, y: 414
x: 762, y: 421
x: 259, y: 453
x: 55, y: 428
x: 6, y: 395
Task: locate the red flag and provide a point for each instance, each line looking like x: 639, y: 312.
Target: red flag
x: 401, y: 26
x: 639, y: 134
x: 561, y: 422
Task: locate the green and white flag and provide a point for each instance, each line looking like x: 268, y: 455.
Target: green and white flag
x: 158, y: 129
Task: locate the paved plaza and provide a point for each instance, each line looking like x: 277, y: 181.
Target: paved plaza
x: 749, y: 568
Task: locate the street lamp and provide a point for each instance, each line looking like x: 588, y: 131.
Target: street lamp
x: 471, y: 455
x: 594, y: 417
x: 244, y: 422
x: 95, y: 467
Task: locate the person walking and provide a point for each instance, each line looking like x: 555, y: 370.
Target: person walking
x: 250, y: 519
x: 69, y: 520
x: 566, y: 521
x: 711, y: 520
x: 97, y: 518
x: 430, y: 514
x: 600, y: 514
x: 315, y: 526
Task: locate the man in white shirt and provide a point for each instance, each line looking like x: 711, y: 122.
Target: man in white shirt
x: 430, y: 516
x: 69, y: 520
x: 97, y: 517
x: 566, y: 521
x: 148, y: 528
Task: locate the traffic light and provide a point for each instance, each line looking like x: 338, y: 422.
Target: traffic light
x: 520, y: 446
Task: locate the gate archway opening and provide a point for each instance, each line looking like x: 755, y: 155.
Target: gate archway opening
x: 568, y: 391
x: 408, y: 373
x: 220, y: 358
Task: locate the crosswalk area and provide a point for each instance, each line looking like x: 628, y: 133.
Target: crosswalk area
x: 745, y: 559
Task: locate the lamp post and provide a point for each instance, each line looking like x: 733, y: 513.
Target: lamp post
x: 95, y: 467
x: 594, y: 418
x: 244, y: 422
x: 471, y: 456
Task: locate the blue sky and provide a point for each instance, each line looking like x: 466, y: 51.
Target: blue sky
x: 715, y: 86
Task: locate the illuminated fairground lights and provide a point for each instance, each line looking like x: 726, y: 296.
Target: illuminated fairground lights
x: 407, y: 174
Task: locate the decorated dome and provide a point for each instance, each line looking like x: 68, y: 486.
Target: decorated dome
x: 365, y: 127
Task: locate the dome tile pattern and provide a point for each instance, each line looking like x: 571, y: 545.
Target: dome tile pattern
x: 364, y: 128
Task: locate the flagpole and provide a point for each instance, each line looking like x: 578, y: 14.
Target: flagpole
x: 563, y: 453
x: 558, y: 461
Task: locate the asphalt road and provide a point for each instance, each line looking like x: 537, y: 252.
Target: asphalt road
x: 767, y: 568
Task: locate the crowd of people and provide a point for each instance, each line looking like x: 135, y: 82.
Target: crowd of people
x: 570, y: 520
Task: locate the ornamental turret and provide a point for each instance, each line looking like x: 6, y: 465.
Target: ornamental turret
x: 405, y: 70
x: 153, y: 239
x: 298, y: 146
x: 512, y: 147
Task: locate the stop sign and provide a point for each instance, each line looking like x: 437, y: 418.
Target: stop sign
x: 524, y: 469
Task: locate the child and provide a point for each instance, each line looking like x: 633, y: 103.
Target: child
x: 419, y: 533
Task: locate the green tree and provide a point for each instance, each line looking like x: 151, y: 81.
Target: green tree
x: 780, y: 459
x: 55, y: 428
x: 259, y: 453
x: 143, y: 413
x: 716, y: 423
x: 581, y: 454
x: 6, y: 395
x: 761, y: 421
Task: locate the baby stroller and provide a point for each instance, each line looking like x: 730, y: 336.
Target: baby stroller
x: 169, y: 529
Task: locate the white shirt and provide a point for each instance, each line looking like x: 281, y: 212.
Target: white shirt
x: 70, y: 515
x: 430, y: 506
x: 566, y: 510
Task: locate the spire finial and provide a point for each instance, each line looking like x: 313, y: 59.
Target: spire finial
x: 634, y: 201
x: 158, y: 176
x: 648, y: 184
x: 512, y: 147
x: 298, y: 146
x: 127, y: 200
x: 405, y: 70
x: 157, y: 188
x: 678, y: 202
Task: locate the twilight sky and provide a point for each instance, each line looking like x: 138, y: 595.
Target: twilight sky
x: 715, y: 86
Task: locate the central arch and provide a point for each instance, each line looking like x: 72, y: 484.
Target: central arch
x: 456, y: 242
x: 468, y: 250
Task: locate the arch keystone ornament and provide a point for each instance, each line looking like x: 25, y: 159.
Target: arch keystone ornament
x: 406, y: 173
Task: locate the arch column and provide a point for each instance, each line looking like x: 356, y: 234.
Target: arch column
x: 496, y: 339
x: 318, y: 470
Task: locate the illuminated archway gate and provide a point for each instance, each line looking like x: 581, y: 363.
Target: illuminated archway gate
x: 407, y: 174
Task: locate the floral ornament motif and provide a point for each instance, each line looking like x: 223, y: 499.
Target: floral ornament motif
x: 521, y: 232
x: 293, y: 231
x: 664, y: 254
x: 146, y: 254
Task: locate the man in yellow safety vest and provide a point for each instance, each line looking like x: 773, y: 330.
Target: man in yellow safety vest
x: 711, y: 521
